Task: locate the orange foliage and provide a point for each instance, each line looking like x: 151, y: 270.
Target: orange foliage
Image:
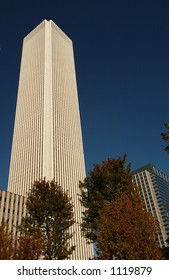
x: 127, y: 232
x: 6, y: 243
x: 28, y: 247
x: 25, y: 247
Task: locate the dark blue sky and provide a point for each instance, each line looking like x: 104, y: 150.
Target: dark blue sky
x: 122, y: 65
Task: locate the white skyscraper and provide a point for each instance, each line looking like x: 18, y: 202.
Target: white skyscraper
x: 47, y: 140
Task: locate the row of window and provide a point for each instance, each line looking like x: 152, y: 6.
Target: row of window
x: 10, y: 201
x: 12, y: 211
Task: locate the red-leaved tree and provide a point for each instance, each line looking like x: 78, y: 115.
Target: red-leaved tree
x: 127, y: 231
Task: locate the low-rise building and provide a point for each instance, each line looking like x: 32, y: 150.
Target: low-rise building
x: 12, y: 209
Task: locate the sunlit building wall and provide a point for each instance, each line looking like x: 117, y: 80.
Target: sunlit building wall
x: 47, y: 139
x: 12, y: 209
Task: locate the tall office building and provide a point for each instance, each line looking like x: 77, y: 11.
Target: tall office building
x: 153, y: 185
x: 47, y: 139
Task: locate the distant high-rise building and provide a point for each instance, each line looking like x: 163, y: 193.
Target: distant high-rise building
x: 153, y: 185
x: 47, y: 139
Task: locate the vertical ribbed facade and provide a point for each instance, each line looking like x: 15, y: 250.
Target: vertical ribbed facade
x: 27, y: 148
x: 47, y: 140
x: 154, y: 190
x: 12, y: 209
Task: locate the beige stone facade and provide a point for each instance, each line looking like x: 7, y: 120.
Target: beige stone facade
x: 12, y: 209
x: 47, y: 140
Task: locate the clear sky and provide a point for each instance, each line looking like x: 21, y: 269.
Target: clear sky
x: 122, y: 64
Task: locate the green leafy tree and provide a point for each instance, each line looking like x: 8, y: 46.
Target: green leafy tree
x: 105, y: 181
x: 127, y: 232
x: 50, y: 215
x: 165, y: 136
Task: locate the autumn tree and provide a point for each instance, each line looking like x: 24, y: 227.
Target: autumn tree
x: 165, y: 136
x: 50, y: 215
x: 105, y: 181
x: 127, y: 232
x: 28, y: 246
x: 114, y: 213
x: 6, y: 243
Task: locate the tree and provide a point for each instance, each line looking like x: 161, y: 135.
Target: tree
x: 50, y: 215
x: 28, y: 246
x: 165, y: 136
x: 24, y: 247
x: 165, y: 250
x: 6, y: 243
x: 105, y: 181
x: 167, y: 241
x: 127, y: 232
x: 113, y: 208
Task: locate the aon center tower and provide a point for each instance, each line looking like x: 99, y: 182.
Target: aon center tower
x: 47, y: 139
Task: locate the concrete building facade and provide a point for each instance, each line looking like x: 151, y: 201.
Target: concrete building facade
x: 12, y: 209
x: 47, y: 139
x: 153, y: 185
